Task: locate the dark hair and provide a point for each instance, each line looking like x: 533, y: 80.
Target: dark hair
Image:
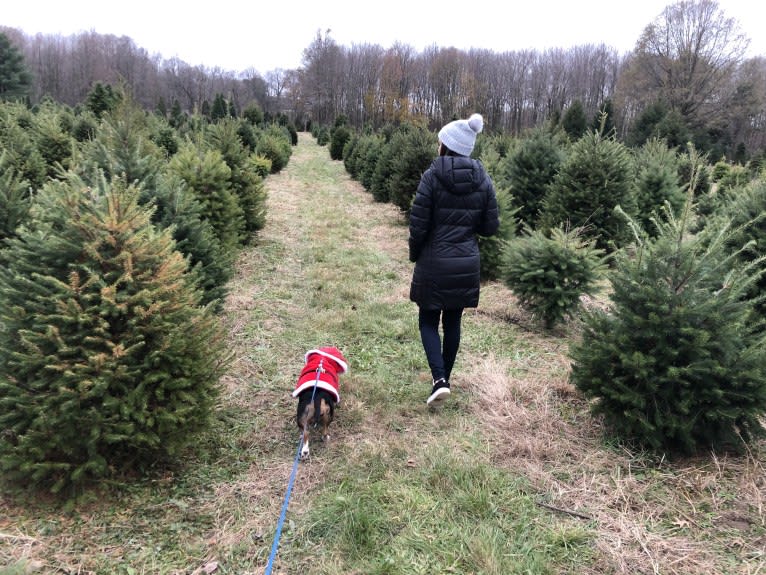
x: 445, y: 151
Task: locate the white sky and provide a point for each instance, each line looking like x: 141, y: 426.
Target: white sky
x: 237, y: 36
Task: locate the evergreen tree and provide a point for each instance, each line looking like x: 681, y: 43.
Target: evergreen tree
x: 677, y: 365
x: 162, y: 108
x: 340, y: 136
x: 412, y: 152
x: 166, y: 138
x: 492, y: 248
x: 603, y: 121
x: 247, y: 133
x: 205, y: 109
x: 253, y: 113
x: 207, y: 176
x: 15, y: 79
x: 379, y: 175
x: 530, y: 171
x: 574, y: 121
x: 16, y: 140
x: 102, y: 99
x: 747, y: 213
x: 55, y: 145
x: 107, y: 360
x: 549, y: 273
x: 220, y: 108
x: 293, y: 133
x: 245, y: 181
x: 657, y: 121
x: 357, y: 162
x: 323, y: 135
x: 657, y: 182
x: 85, y: 127
x: 180, y: 212
x: 596, y: 177
x: 275, y: 145
x: 14, y: 199
x: 123, y: 147
x: 177, y: 117
x: 372, y: 152
x: 350, y: 156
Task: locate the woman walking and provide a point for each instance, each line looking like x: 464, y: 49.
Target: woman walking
x: 455, y: 202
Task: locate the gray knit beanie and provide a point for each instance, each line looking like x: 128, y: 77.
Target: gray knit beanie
x: 460, y: 135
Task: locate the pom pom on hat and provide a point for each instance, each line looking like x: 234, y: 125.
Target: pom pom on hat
x: 460, y: 135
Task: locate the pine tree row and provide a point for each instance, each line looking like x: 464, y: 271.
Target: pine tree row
x: 119, y: 233
x: 676, y: 246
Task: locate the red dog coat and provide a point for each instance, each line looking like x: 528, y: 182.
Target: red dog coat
x: 330, y: 363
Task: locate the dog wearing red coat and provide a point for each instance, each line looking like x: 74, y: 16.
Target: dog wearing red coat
x: 318, y: 392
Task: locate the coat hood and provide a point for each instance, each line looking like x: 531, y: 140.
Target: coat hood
x: 458, y: 174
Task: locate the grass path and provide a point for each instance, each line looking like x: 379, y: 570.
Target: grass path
x: 511, y: 476
x: 331, y: 267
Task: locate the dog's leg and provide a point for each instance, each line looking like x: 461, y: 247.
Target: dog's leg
x: 304, y: 421
x: 326, y: 416
x: 305, y: 449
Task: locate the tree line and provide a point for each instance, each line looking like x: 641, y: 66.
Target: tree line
x: 687, y: 79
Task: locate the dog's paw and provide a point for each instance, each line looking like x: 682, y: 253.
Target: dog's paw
x: 305, y: 453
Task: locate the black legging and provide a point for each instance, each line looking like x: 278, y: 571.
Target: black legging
x: 440, y: 359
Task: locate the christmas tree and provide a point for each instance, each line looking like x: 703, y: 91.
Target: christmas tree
x: 107, y: 359
x: 678, y: 362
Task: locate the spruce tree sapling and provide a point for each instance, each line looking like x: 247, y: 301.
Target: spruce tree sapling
x: 107, y: 360
x: 14, y: 199
x: 678, y: 364
x: 530, y: 171
x: 549, y: 274
x: 208, y: 177
x: 15, y: 79
x: 596, y: 177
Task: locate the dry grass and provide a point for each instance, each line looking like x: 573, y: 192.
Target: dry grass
x: 691, y: 516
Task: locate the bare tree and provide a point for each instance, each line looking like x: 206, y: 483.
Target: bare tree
x: 362, y: 76
x: 686, y: 58
x: 445, y: 79
x: 478, y: 79
x: 395, y: 83
x: 322, y: 65
x: 275, y: 83
x: 514, y: 90
x: 747, y: 125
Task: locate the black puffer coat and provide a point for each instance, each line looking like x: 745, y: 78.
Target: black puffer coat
x: 454, y: 202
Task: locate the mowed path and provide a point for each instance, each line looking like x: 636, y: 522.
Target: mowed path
x: 328, y: 262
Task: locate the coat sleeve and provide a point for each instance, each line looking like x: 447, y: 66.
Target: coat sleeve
x: 490, y: 219
x: 420, y: 217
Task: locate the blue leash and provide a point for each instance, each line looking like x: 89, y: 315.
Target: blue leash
x: 278, y: 534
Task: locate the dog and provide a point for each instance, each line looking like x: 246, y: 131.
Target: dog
x: 318, y: 393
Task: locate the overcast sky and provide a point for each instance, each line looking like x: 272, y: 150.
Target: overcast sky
x: 267, y: 35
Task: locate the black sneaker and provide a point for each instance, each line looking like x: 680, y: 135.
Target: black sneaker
x: 439, y: 392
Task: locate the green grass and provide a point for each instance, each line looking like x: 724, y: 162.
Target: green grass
x: 400, y: 489
x: 450, y: 512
